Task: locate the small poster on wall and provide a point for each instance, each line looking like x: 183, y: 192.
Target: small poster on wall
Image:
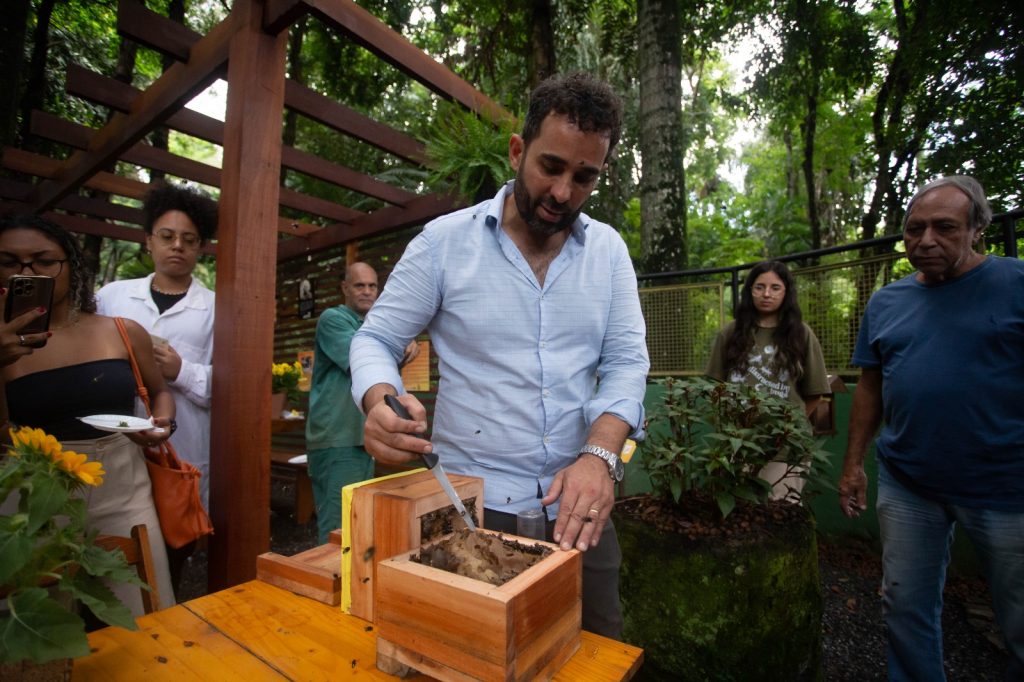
x: 305, y: 358
x: 307, y: 298
x: 416, y: 375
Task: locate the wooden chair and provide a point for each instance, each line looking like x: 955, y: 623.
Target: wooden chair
x: 137, y: 553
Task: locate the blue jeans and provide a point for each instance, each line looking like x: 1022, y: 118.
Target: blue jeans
x: 916, y: 536
x: 330, y: 470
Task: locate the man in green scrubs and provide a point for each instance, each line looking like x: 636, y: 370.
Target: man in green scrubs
x: 334, y: 426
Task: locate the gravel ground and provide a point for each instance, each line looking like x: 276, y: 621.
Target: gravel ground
x: 854, y: 635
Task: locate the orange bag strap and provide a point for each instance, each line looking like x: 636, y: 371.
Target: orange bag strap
x: 140, y: 387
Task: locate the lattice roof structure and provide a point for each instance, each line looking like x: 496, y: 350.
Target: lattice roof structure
x: 248, y: 50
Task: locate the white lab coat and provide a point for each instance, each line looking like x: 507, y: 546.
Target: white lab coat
x: 188, y: 326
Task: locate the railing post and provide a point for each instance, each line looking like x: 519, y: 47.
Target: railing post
x: 1009, y: 237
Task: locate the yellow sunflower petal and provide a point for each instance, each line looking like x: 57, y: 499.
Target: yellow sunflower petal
x: 90, y: 473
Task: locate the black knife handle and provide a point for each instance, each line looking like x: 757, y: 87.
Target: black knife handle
x: 429, y: 458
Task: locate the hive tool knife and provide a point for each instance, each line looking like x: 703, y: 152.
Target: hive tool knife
x: 431, y: 461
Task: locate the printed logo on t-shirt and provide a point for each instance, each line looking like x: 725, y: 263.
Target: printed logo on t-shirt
x: 763, y: 373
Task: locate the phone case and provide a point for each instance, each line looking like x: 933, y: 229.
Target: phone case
x: 27, y: 292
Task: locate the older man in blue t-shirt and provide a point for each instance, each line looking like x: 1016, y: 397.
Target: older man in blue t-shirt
x: 942, y: 353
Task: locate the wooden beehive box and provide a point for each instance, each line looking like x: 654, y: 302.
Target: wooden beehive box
x: 315, y: 573
x: 386, y: 520
x: 452, y: 627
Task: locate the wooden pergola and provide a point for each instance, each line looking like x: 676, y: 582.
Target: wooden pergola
x: 248, y: 49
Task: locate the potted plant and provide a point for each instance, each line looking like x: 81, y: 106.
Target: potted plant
x: 284, y: 385
x: 718, y: 580
x: 50, y: 561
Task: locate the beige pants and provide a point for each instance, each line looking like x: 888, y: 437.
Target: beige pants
x: 125, y: 499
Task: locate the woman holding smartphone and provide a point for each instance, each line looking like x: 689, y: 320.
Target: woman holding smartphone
x: 84, y: 370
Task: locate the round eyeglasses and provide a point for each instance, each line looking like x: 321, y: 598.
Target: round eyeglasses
x: 166, y: 237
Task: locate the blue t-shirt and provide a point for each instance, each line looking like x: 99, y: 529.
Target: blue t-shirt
x: 952, y: 362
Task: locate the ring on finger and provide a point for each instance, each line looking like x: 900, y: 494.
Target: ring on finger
x: 21, y: 339
x: 595, y: 511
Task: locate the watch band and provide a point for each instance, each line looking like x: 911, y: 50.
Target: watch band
x: 609, y: 457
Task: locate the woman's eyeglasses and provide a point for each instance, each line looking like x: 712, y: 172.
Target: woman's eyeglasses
x: 48, y: 267
x: 189, y: 240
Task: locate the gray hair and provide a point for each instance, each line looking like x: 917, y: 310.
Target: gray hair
x: 979, y: 214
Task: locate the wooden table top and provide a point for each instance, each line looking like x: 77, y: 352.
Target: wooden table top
x: 255, y: 631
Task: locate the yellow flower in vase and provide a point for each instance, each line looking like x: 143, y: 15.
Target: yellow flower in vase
x: 285, y: 378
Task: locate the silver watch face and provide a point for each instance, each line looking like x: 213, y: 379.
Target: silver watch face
x: 618, y: 471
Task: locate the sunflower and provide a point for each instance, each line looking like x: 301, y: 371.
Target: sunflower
x: 35, y: 441
x: 90, y: 473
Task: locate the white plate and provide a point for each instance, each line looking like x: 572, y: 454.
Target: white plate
x: 297, y: 459
x: 117, y: 423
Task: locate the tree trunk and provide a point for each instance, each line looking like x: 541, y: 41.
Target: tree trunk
x: 810, y: 129
x: 662, y: 182
x: 541, y: 61
x: 159, y: 138
x: 12, y: 62
x: 35, y: 87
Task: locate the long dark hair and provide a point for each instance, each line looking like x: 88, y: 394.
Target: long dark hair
x: 789, y: 336
x: 81, y: 279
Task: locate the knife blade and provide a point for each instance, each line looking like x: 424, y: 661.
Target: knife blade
x: 433, y: 462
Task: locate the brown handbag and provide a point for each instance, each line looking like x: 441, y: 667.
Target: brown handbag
x: 175, y: 481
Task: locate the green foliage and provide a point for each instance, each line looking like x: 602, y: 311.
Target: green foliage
x: 468, y: 153
x: 715, y: 437
x: 45, y: 541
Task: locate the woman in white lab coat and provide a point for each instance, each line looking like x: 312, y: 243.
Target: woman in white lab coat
x: 177, y: 311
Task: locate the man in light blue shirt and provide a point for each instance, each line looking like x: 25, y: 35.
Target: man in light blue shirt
x: 533, y: 310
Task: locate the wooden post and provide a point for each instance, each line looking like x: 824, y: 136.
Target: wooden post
x: 244, y: 331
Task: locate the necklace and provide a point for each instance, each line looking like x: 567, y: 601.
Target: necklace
x: 158, y: 290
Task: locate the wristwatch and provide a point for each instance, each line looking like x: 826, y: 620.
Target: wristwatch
x: 615, y: 469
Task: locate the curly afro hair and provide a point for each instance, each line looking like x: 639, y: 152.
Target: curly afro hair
x: 200, y: 209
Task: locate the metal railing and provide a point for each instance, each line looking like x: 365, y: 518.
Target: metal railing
x: 685, y: 309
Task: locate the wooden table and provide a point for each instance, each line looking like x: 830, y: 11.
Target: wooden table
x: 256, y: 631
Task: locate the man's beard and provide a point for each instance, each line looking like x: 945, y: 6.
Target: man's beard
x: 527, y: 207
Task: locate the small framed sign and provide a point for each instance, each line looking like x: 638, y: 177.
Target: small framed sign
x: 307, y: 298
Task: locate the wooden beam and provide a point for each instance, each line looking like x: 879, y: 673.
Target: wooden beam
x: 83, y: 225
x: 109, y: 92
x: 244, y: 327
x: 175, y: 87
x: 137, y: 22
x: 162, y: 34
x: 377, y: 37
x: 117, y: 95
x: 314, y: 166
x: 417, y: 212
x: 145, y: 155
x: 296, y: 228
x: 45, y: 167
x: 346, y: 120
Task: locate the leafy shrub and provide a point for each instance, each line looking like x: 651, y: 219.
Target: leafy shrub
x: 715, y: 437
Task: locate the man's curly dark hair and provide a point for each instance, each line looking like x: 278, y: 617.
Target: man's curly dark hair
x: 200, y: 209
x: 589, y: 103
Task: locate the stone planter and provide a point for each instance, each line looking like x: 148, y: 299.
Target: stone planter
x: 722, y: 608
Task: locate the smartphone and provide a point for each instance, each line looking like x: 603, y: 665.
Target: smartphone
x: 25, y: 293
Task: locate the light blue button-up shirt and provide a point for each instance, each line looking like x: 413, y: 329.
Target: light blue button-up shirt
x: 524, y: 369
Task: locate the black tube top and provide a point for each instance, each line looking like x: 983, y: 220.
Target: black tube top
x: 53, y: 399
